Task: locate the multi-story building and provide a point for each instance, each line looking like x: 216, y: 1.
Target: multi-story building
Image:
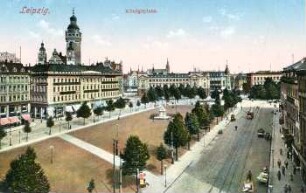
x: 238, y: 81
x: 130, y: 82
x: 9, y: 57
x: 301, y: 77
x: 160, y: 77
x: 14, y: 93
x: 220, y: 80
x: 290, y: 103
x: 258, y: 78
x: 57, y: 88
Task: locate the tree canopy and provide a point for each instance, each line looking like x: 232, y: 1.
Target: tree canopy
x: 25, y: 175
x: 176, y: 129
x: 84, y: 111
x: 135, y: 155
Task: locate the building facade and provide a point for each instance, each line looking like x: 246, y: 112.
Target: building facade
x: 57, y: 88
x: 220, y: 80
x: 160, y: 77
x: 301, y: 76
x: 291, y: 108
x: 258, y: 78
x: 14, y: 93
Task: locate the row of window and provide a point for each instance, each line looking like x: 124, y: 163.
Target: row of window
x: 88, y: 96
x: 13, y: 98
x: 14, y: 88
x: 76, y: 88
x: 67, y: 80
x: 168, y: 80
x: 263, y: 78
x: 14, y: 79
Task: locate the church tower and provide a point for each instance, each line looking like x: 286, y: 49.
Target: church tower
x: 42, y: 54
x: 73, y: 40
x: 168, y: 66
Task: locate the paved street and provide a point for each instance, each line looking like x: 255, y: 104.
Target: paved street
x: 225, y: 162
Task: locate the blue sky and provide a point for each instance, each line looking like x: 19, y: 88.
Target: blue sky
x: 202, y: 34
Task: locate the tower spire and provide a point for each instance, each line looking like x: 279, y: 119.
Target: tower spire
x: 72, y: 11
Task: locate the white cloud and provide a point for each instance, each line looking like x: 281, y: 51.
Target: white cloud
x: 178, y: 33
x: 230, y: 16
x: 46, y: 28
x: 227, y: 32
x: 101, y: 40
x: 207, y: 19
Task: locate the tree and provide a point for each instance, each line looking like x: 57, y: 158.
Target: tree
x: 201, y: 92
x: 25, y: 175
x: 98, y: 111
x: 50, y: 124
x: 91, y: 186
x: 131, y: 105
x: 120, y: 103
x: 27, y: 129
x: 217, y: 110
x: 145, y: 99
x: 135, y: 155
x: 138, y: 103
x: 179, y: 133
x: 202, y: 115
x: 2, y: 135
x: 159, y: 91
x: 192, y: 124
x: 214, y: 93
x: 110, y: 106
x: 161, y: 154
x: 152, y: 96
x: 68, y: 118
x: 84, y: 111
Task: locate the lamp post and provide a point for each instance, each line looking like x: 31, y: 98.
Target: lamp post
x: 51, y: 153
x: 165, y: 168
x: 137, y: 181
x: 10, y: 136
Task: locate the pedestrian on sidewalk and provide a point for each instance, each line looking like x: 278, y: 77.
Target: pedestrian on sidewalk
x: 286, y: 188
x: 279, y: 175
x: 302, y: 189
x: 279, y: 163
x: 289, y: 189
x: 286, y: 164
x: 283, y: 170
x: 281, y: 151
x: 291, y: 176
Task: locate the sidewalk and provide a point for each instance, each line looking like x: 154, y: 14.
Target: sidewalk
x: 40, y: 132
x: 277, y: 186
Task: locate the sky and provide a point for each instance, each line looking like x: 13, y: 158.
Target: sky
x: 248, y: 35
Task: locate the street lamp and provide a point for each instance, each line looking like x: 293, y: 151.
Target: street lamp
x: 51, y: 153
x: 165, y: 168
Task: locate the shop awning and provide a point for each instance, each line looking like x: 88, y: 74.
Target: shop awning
x: 4, y: 121
x: 14, y: 120
x: 69, y: 109
x: 26, y: 117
